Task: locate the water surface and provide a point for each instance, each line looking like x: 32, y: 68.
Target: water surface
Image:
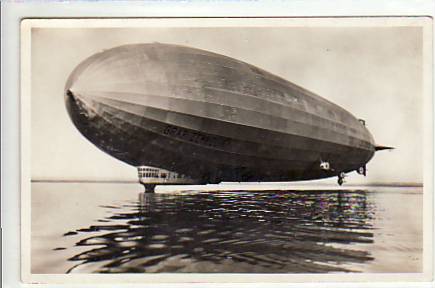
x: 115, y: 228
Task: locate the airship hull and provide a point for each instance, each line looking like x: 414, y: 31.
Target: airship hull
x: 210, y: 117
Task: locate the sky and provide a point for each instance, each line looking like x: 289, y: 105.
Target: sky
x: 373, y: 72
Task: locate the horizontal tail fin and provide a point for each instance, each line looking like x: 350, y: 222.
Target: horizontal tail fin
x: 379, y: 147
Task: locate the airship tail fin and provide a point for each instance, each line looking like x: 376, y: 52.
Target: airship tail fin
x: 379, y: 147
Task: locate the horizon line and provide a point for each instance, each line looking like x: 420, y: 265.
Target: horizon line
x: 390, y: 184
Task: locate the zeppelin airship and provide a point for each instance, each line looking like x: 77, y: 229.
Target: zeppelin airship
x: 184, y: 115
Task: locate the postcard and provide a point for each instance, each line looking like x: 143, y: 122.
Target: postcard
x: 159, y: 150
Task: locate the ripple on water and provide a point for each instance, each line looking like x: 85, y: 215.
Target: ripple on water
x: 277, y: 231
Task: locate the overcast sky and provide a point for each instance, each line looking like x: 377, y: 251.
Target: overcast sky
x: 373, y: 72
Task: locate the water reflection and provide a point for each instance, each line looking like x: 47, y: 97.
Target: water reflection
x: 262, y: 232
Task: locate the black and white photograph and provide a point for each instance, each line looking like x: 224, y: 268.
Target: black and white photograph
x: 227, y: 148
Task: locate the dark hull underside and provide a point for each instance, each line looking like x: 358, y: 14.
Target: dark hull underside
x: 214, y: 158
x: 213, y: 134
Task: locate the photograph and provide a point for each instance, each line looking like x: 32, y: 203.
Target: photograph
x: 227, y: 148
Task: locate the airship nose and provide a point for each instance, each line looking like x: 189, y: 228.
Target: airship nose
x: 69, y: 93
x: 78, y: 106
x: 70, y: 96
